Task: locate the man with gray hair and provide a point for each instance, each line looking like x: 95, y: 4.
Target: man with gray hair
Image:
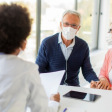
x: 66, y: 51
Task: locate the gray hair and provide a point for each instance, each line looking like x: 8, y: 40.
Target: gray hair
x: 71, y: 12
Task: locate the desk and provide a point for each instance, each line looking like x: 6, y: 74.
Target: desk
x: 103, y: 104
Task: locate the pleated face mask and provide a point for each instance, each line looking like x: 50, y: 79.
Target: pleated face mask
x: 69, y: 33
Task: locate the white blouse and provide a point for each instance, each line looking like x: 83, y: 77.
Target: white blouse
x: 20, y: 87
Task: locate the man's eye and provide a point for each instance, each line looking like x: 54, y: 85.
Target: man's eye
x: 66, y: 23
x: 73, y: 25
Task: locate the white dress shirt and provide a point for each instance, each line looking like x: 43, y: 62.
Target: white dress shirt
x: 66, y: 50
x: 20, y: 87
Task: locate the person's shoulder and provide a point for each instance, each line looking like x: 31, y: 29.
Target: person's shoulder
x: 29, y: 71
x: 81, y: 41
x: 27, y: 64
x: 50, y: 38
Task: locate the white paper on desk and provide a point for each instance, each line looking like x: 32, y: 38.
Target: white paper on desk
x: 51, y: 81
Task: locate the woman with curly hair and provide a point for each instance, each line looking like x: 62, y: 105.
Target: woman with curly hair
x: 20, y: 84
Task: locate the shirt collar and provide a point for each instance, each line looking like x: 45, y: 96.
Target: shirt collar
x: 59, y: 38
x: 60, y: 41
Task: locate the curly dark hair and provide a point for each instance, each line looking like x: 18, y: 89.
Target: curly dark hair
x: 15, y: 26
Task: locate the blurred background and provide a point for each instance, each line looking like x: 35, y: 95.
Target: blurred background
x: 96, y: 16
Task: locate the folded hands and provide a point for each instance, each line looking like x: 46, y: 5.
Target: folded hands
x: 103, y: 83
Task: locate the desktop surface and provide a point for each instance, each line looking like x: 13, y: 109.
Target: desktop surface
x: 102, y: 104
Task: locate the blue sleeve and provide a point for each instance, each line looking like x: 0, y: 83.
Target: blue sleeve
x: 41, y: 59
x: 87, y: 70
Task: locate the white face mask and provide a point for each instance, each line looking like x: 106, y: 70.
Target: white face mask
x: 69, y: 33
x: 109, y: 38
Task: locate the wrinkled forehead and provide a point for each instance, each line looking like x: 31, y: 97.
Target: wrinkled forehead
x: 71, y: 15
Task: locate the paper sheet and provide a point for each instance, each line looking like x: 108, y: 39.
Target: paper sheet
x: 51, y: 81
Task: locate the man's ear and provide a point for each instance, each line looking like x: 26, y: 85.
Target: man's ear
x: 61, y: 25
x: 78, y: 29
x: 23, y: 46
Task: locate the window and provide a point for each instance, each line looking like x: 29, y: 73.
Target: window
x: 85, y: 7
x: 51, y: 15
x: 29, y: 53
x: 111, y: 11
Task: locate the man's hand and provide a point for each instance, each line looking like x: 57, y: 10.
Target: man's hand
x: 55, y: 97
x: 103, y: 84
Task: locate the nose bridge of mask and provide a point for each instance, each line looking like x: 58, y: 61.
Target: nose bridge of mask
x: 73, y: 30
x: 66, y: 30
x: 69, y: 33
x: 69, y: 29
